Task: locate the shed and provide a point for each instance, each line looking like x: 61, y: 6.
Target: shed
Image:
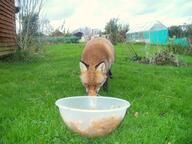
x: 7, y: 27
x: 152, y: 32
x: 78, y: 34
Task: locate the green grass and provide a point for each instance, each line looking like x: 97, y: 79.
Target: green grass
x: 162, y: 96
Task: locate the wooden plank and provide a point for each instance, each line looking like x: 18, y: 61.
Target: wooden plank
x: 7, y: 23
x: 10, y: 20
x: 3, y: 39
x: 7, y: 35
x: 8, y: 31
x: 7, y: 44
x: 3, y: 18
x: 3, y: 26
x: 2, y: 49
x: 7, y: 40
x: 5, y: 30
x: 6, y: 14
x: 7, y: 52
x: 8, y: 4
x: 4, y: 10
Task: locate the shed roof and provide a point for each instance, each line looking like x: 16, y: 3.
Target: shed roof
x: 149, y: 26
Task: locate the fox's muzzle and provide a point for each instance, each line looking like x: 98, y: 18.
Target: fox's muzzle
x: 92, y: 93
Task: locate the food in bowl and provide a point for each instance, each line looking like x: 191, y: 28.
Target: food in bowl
x: 92, y: 116
x: 97, y: 127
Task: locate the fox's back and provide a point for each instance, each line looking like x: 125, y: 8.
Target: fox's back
x: 98, y: 50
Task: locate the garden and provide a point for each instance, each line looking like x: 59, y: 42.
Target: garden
x: 160, y: 97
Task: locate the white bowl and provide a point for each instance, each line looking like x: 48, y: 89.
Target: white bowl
x: 92, y: 116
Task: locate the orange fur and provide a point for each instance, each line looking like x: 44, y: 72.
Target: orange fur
x: 96, y: 51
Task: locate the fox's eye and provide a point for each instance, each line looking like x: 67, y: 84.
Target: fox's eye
x: 86, y: 85
x: 100, y: 84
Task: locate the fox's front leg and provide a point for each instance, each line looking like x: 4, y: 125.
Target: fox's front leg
x: 110, y: 74
x: 105, y: 85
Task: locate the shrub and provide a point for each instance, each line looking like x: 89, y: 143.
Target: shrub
x: 117, y: 32
x: 22, y: 56
x: 179, y: 46
x: 160, y: 58
x: 66, y: 39
x: 179, y: 49
x: 164, y: 58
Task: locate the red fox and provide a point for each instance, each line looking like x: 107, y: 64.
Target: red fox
x: 96, y: 60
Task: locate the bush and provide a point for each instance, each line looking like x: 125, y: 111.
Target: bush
x: 179, y: 46
x: 66, y: 39
x: 21, y: 56
x: 179, y: 49
x: 164, y: 58
x: 160, y: 58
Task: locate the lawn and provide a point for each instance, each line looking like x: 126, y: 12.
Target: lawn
x: 160, y: 97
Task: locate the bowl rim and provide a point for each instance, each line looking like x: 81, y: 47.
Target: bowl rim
x: 92, y: 110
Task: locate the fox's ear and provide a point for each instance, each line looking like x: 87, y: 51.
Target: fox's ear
x: 101, y: 67
x: 83, y: 67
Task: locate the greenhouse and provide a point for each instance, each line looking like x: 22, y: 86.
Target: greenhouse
x: 152, y: 32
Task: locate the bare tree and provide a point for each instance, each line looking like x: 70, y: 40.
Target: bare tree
x: 116, y: 31
x: 111, y: 28
x: 28, y: 21
x: 122, y: 30
x: 46, y: 27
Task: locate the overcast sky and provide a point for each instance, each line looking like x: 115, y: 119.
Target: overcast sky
x: 96, y: 13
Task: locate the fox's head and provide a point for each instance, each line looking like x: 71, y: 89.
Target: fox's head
x: 93, y: 77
